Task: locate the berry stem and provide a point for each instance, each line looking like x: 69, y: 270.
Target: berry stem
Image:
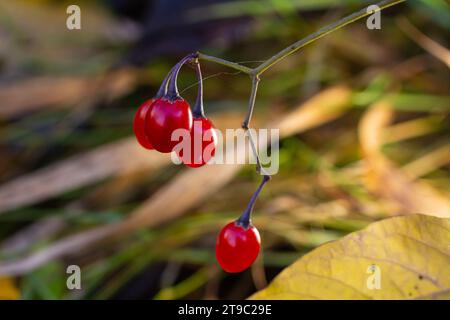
x: 259, y: 168
x: 172, y: 92
x: 256, y: 72
x: 355, y: 16
x: 251, y: 102
x: 198, y: 111
x: 245, y: 219
x: 162, y: 91
x: 246, y: 122
x: 321, y: 33
x: 232, y: 65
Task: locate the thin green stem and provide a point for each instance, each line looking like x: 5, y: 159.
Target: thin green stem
x: 301, y: 43
x: 248, y: 118
x: 251, y: 102
x: 322, y: 32
x: 256, y: 72
x: 232, y: 65
x: 259, y: 167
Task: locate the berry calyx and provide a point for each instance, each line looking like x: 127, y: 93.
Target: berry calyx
x: 168, y: 113
x: 239, y: 242
x: 141, y: 115
x: 237, y: 247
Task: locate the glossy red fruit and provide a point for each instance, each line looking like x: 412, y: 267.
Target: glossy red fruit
x: 139, y: 124
x: 203, y: 143
x: 237, y: 247
x: 164, y: 117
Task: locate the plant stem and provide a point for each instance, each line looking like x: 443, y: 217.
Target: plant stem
x: 301, y: 43
x: 163, y: 88
x: 256, y: 72
x: 232, y: 65
x: 259, y: 168
x: 320, y: 33
x: 245, y: 219
x: 198, y: 111
x: 251, y: 102
x: 248, y: 118
x: 172, y: 91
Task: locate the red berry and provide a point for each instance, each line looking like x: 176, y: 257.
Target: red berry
x: 139, y: 124
x: 166, y: 116
x: 203, y: 144
x: 237, y: 247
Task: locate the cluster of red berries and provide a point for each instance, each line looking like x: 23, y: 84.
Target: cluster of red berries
x: 158, y: 119
x: 155, y: 123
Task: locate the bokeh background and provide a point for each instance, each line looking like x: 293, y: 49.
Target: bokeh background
x: 363, y: 115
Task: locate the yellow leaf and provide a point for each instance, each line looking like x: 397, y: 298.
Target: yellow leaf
x: 408, y: 255
x: 8, y: 290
